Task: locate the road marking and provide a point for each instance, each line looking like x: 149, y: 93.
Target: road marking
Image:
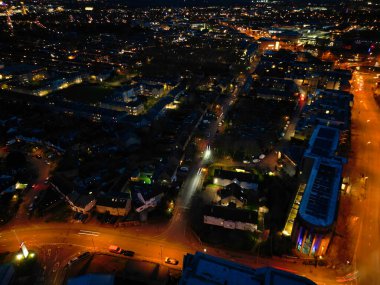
x: 88, y: 233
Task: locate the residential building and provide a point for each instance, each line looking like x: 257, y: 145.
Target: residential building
x: 230, y: 218
x: 80, y: 203
x: 234, y: 193
x: 135, y: 107
x: 244, y: 180
x: 22, y: 72
x: 115, y: 204
x: 327, y: 107
x: 145, y: 197
x: 272, y: 88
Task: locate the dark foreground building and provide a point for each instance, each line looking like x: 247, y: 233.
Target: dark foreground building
x: 200, y: 268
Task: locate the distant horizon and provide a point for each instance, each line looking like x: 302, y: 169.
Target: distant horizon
x: 174, y: 3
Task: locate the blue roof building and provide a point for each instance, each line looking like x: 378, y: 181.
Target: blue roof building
x: 92, y: 279
x: 322, y: 169
x: 204, y: 269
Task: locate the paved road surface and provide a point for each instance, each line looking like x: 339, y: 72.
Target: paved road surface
x: 366, y: 160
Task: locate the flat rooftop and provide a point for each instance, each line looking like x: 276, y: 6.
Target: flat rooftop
x: 323, y: 142
x: 320, y: 199
x: 203, y: 269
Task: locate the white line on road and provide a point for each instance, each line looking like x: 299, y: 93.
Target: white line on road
x: 89, y: 233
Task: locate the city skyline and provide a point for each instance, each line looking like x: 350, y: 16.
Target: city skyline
x: 187, y: 142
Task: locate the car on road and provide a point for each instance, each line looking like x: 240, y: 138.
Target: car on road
x: 115, y: 249
x: 171, y: 261
x: 78, y: 258
x: 184, y: 169
x: 128, y: 253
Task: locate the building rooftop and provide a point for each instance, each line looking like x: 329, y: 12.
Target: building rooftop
x: 231, y: 175
x: 229, y: 213
x: 319, y: 203
x: 323, y: 142
x: 115, y: 200
x: 92, y: 279
x: 205, y: 269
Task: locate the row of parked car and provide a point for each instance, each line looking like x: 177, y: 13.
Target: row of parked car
x: 116, y: 249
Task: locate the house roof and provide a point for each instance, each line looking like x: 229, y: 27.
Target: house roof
x: 80, y: 200
x: 233, y: 214
x: 231, y: 175
x: 235, y: 190
x: 148, y: 191
x: 113, y: 200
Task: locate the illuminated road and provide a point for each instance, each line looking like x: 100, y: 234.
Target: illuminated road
x: 77, y: 238
x: 366, y: 162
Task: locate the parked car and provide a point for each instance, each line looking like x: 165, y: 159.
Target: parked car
x: 171, y: 261
x: 79, y: 257
x: 128, y: 253
x: 115, y: 249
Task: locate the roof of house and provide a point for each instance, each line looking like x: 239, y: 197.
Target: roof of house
x: 113, y: 200
x: 147, y: 191
x: 235, y: 190
x: 229, y: 213
x: 231, y: 175
x: 80, y: 200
